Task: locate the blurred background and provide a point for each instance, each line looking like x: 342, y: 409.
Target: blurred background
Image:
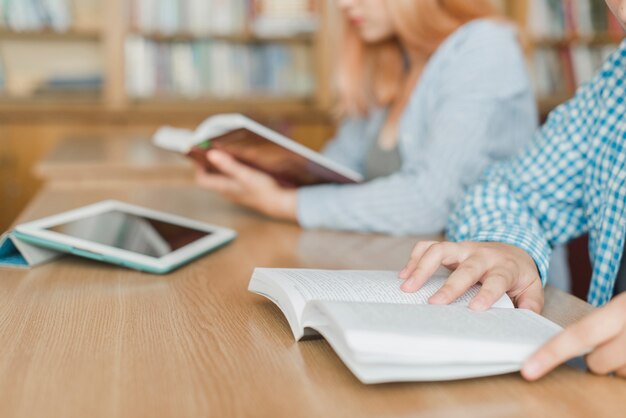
x: 94, y: 69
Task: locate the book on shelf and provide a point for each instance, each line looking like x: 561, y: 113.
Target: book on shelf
x: 217, y: 69
x: 224, y: 17
x: 573, y: 39
x: 68, y: 85
x: 255, y: 145
x: 558, y: 19
x: 35, y: 15
x: 385, y: 335
x: 560, y: 71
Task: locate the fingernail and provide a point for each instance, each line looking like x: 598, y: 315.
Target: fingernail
x: 531, y: 369
x: 478, y: 305
x: 406, y: 286
x: 437, y: 298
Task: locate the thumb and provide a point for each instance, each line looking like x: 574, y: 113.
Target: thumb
x: 531, y: 298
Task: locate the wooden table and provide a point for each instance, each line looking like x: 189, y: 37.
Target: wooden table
x: 112, y: 160
x: 83, y: 339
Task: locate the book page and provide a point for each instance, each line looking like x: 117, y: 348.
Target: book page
x: 363, y: 286
x: 496, y: 325
x: 430, y: 334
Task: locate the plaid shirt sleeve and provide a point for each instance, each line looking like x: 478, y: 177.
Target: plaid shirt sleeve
x: 536, y: 201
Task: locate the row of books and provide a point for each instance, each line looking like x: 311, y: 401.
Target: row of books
x: 217, y: 69
x: 36, y: 14
x: 224, y: 17
x: 562, y: 18
x: 57, y: 15
x: 558, y: 72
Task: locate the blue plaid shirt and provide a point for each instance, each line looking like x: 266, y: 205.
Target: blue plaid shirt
x: 570, y: 180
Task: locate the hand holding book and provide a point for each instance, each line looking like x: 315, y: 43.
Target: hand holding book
x: 247, y: 186
x: 251, y: 164
x: 257, y: 146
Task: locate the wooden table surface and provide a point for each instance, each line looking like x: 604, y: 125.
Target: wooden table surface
x: 83, y: 339
x: 112, y: 160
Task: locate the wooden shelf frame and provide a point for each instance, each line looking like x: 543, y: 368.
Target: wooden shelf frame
x: 599, y: 39
x: 112, y: 38
x: 246, y: 38
x: 50, y: 35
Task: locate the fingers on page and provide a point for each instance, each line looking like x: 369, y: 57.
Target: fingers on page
x: 465, y: 276
x: 429, y: 263
x: 495, y: 284
x: 416, y: 255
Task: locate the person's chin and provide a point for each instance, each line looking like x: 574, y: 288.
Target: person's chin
x: 372, y: 37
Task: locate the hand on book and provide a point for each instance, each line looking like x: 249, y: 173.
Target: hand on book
x: 248, y: 187
x: 603, y: 333
x: 500, y: 268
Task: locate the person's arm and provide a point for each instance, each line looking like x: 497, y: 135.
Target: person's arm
x: 505, y: 226
x: 484, y: 97
x: 257, y: 190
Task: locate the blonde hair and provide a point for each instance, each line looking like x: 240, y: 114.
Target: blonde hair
x: 374, y: 74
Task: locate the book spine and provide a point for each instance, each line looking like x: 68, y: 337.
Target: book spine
x: 35, y: 15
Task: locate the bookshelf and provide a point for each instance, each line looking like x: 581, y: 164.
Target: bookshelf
x: 568, y: 40
x: 112, y: 26
x: 107, y: 25
x: 31, y: 123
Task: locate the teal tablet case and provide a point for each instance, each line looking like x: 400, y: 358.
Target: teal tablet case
x: 24, y: 251
x: 15, y: 252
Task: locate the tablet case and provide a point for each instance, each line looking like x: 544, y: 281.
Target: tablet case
x: 17, y: 253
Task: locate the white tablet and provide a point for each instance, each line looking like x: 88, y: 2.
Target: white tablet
x: 126, y: 235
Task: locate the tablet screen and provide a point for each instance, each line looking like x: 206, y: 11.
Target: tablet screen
x: 131, y: 232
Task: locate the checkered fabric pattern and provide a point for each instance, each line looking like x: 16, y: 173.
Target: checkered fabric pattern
x: 570, y: 180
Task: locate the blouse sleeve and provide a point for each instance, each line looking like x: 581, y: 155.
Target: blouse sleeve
x: 484, y: 111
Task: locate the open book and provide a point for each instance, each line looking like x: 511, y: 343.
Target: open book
x: 385, y: 335
x: 251, y: 143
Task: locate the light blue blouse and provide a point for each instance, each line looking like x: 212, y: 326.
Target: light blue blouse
x: 472, y: 106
